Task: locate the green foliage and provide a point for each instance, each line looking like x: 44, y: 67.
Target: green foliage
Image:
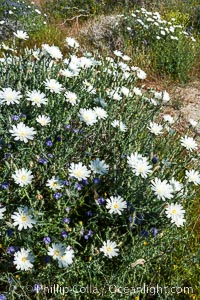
x: 95, y: 81
x: 171, y: 49
x: 19, y: 15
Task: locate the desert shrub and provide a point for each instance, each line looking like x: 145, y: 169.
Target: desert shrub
x: 21, y: 15
x: 96, y: 185
x: 172, y: 49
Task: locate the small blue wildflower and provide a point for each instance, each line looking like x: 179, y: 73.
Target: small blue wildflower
x: 9, y: 232
x: 57, y: 195
x: 89, y: 213
x: 64, y: 234
x: 101, y: 201
x: 47, y: 240
x: 15, y: 118
x: 96, y: 180
x: 49, y: 143
x: 5, y: 185
x: 66, y: 220
x: 43, y: 160
x: 78, y: 186
x: 50, y: 155
x: 154, y: 160
x: 90, y: 232
x: 154, y: 231
x: 2, y: 297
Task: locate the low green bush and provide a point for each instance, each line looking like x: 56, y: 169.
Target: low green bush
x: 96, y: 184
x: 172, y: 50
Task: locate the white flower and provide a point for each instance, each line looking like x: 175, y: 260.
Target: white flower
x: 133, y: 158
x: 9, y: 96
x: 62, y: 254
x: 21, y: 35
x: 72, y: 42
x: 189, y: 143
x: 116, y: 205
x: 114, y: 95
x: 176, y: 213
x: 23, y: 219
x: 165, y: 96
x: 100, y: 113
x: 71, y: 98
x: 193, y: 123
x: 22, y: 177
x: 141, y: 74
x: 155, y: 128
x: 120, y: 124
x: 168, y: 118
x: 142, y: 168
x: 53, y: 51
x: 99, y: 166
x: 193, y: 176
x: 109, y: 249
x: 137, y: 91
x: 125, y: 91
x: 176, y: 185
x: 53, y: 86
x: 56, y: 251
x: 162, y: 189
x: 54, y: 183
x: 2, y: 210
x: 67, y: 258
x: 88, y: 116
x: 126, y: 58
x: 21, y: 132
x: 43, y: 120
x: 23, y: 260
x: 79, y: 171
x: 37, y: 98
x: 118, y: 53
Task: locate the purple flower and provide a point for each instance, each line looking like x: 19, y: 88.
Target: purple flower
x: 58, y: 138
x: 37, y: 288
x: 47, y: 259
x: 57, y: 195
x: 66, y: 220
x: 15, y: 118
x: 68, y: 126
x: 90, y: 232
x: 86, y: 236
x: 96, y: 180
x: 43, y: 160
x: 11, y: 250
x: 49, y: 143
x: 9, y: 232
x: 144, y: 233
x: 78, y: 186
x: 101, y: 201
x: 65, y: 182
x: 154, y: 160
x: 64, y: 234
x: 5, y: 185
x: 89, y: 213
x: 130, y: 218
x: 47, y: 240
x: 7, y: 155
x: 50, y: 155
x: 2, y: 297
x: 22, y: 116
x: 67, y: 209
x: 84, y: 181
x: 154, y: 231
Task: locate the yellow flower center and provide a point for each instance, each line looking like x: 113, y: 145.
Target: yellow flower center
x: 56, y: 253
x: 23, y: 177
x: 22, y: 133
x: 87, y: 117
x: 78, y: 173
x: 108, y: 249
x: 36, y: 99
x: 55, y: 184
x: 116, y: 205
x: 24, y: 259
x: 174, y: 211
x: 24, y: 218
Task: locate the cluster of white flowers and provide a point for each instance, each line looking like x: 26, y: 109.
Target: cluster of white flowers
x: 152, y: 21
x: 64, y: 255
